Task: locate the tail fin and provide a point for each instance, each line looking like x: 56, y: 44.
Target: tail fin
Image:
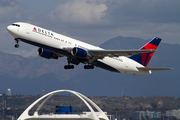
x: 144, y: 58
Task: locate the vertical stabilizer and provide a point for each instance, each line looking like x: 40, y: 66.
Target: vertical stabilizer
x: 144, y: 58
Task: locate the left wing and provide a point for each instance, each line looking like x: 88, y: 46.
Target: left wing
x: 116, y: 53
x: 99, y: 54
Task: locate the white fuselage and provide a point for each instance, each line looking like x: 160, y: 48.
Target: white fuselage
x: 50, y: 40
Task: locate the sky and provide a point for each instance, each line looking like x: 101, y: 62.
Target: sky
x: 91, y: 21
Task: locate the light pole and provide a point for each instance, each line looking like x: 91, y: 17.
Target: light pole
x: 117, y: 109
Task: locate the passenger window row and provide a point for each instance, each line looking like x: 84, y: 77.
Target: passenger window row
x: 16, y: 25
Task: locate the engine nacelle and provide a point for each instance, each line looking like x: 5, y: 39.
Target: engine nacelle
x: 46, y: 54
x: 79, y: 53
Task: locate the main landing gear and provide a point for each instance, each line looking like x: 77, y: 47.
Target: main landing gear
x: 89, y: 67
x: 72, y: 66
x: 69, y: 66
x: 16, y: 41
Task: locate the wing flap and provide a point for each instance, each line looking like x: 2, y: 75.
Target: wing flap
x: 153, y: 69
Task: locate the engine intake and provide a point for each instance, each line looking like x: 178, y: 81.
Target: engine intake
x: 46, y: 54
x: 79, y: 52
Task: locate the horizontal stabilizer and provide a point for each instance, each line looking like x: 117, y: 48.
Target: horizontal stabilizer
x: 153, y: 69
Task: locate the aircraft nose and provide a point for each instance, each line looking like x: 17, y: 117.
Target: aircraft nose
x: 9, y: 28
x: 12, y: 30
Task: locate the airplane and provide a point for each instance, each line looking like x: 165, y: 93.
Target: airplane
x: 53, y: 45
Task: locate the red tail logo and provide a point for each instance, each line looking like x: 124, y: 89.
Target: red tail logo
x: 144, y: 58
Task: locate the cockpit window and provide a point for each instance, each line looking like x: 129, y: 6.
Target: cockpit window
x: 16, y: 25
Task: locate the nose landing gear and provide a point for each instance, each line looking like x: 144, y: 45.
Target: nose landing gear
x: 16, y: 45
x: 16, y: 41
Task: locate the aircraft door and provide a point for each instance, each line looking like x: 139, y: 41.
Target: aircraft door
x: 27, y: 29
x: 18, y: 29
x: 126, y: 64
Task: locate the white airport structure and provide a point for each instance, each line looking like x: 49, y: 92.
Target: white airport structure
x: 145, y: 115
x: 173, y: 113
x: 92, y: 115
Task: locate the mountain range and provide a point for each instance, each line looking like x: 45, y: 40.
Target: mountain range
x: 29, y: 76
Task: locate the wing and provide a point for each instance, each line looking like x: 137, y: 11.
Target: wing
x: 153, y: 69
x: 116, y: 53
x: 95, y: 54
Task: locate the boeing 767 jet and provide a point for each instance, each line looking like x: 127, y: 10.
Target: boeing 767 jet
x: 53, y: 45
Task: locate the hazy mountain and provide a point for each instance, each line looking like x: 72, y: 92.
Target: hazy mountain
x: 19, y: 67
x: 31, y: 75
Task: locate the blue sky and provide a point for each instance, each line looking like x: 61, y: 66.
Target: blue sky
x: 92, y: 21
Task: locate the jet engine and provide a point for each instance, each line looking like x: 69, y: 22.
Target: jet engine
x: 46, y: 54
x: 79, y: 53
